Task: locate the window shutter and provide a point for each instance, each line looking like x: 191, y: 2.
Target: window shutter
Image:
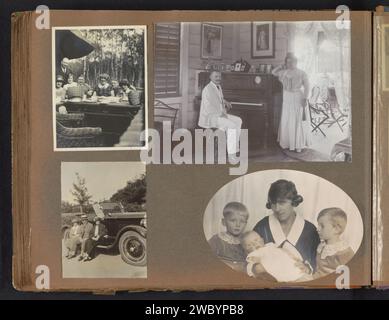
x: 167, y: 60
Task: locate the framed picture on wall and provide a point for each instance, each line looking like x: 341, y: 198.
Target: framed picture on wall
x: 211, y: 41
x: 263, y: 39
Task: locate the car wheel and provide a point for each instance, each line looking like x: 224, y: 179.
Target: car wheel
x: 132, y: 247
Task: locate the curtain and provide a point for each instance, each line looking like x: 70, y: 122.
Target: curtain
x: 252, y: 190
x: 324, y: 53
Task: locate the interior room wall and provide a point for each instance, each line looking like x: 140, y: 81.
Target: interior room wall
x: 281, y: 44
x: 236, y: 44
x: 195, y: 63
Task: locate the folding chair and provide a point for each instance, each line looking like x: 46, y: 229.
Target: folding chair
x: 317, y: 111
x: 337, y: 116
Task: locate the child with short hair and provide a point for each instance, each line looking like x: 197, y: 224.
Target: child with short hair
x: 277, y: 262
x: 332, y: 251
x: 226, y: 245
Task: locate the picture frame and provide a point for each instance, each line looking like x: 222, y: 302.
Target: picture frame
x: 263, y: 35
x: 211, y: 41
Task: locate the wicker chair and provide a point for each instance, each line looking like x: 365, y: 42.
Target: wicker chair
x: 73, y: 120
x: 78, y: 137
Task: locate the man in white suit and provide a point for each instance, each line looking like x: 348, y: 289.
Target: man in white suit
x: 213, y: 114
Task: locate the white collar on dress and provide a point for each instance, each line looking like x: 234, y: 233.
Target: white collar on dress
x: 105, y: 86
x: 327, y: 250
x: 294, y: 233
x: 228, y: 238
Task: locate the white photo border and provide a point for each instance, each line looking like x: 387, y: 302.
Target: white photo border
x: 53, y: 67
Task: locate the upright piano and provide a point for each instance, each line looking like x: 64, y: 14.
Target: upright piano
x: 256, y: 98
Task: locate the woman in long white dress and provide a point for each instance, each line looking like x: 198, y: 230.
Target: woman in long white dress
x: 291, y: 134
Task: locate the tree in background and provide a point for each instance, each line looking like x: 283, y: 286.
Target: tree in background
x: 66, y: 207
x: 80, y: 192
x: 133, y: 195
x: 118, y: 52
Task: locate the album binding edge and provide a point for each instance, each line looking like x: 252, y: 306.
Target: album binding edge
x: 21, y: 30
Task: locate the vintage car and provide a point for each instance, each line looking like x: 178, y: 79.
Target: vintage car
x: 126, y: 232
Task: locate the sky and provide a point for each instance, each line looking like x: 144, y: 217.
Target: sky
x: 102, y: 179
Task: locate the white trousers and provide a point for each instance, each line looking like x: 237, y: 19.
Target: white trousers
x: 232, y: 125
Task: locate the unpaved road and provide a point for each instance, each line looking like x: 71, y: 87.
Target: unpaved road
x: 107, y: 264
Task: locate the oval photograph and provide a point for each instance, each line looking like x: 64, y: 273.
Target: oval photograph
x: 283, y: 226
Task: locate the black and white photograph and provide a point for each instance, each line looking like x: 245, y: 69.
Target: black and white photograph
x: 99, y: 87
x: 287, y: 83
x: 103, y: 213
x: 283, y: 226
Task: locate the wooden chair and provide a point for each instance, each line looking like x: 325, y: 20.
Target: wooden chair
x: 164, y: 112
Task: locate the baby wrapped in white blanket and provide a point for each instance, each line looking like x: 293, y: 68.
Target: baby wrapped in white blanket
x: 278, y: 262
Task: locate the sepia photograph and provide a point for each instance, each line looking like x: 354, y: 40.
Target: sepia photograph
x: 99, y: 87
x: 103, y: 213
x: 283, y: 226
x: 287, y: 83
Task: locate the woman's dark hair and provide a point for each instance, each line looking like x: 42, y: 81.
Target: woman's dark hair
x: 283, y: 189
x: 124, y: 82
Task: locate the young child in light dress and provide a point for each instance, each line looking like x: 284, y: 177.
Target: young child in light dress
x: 333, y: 251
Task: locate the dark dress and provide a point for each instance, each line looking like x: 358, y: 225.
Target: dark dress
x: 230, y: 253
x: 103, y: 91
x: 225, y: 250
x: 306, y: 245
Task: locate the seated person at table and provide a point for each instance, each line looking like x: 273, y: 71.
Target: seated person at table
x: 60, y: 92
x: 117, y: 90
x: 103, y: 88
x: 278, y: 262
x: 70, y: 83
x: 226, y: 245
x: 332, y: 251
x: 126, y: 89
x: 85, y: 88
x: 78, y: 92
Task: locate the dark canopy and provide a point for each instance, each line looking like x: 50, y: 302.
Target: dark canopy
x: 69, y: 45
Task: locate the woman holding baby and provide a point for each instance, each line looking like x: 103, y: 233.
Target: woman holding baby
x: 282, y: 246
x: 286, y: 229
